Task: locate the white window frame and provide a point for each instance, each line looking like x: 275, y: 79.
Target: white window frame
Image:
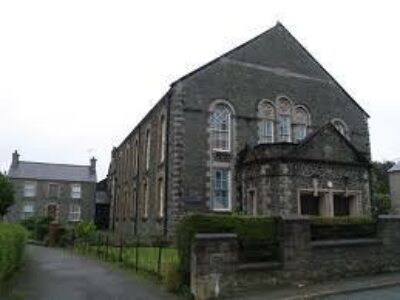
x: 161, y: 197
x: 74, y: 215
x: 30, y: 189
x: 163, y: 132
x: 265, y: 137
x: 288, y: 136
x: 217, y: 133
x: 229, y: 189
x: 76, y: 194
x: 147, y: 148
x: 26, y: 214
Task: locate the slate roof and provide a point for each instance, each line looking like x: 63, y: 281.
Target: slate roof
x: 51, y: 171
x: 280, y: 52
x: 395, y: 168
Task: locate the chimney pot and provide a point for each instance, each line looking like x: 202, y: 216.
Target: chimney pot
x: 15, y: 159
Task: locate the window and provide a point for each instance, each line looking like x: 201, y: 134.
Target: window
x: 53, y: 190
x: 266, y: 114
x: 301, y: 121
x: 76, y: 191
x: 147, y: 149
x: 28, y: 211
x: 284, y: 128
x: 220, y: 125
x: 341, y: 127
x: 146, y: 201
x: 309, y: 204
x: 74, y: 213
x: 341, y: 205
x: 284, y: 120
x: 163, y: 133
x: 161, y: 197
x: 221, y: 197
x: 30, y: 189
x: 136, y: 157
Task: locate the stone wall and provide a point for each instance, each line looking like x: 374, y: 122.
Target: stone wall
x: 217, y: 272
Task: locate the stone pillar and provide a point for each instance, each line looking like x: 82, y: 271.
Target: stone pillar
x: 295, y: 242
x: 212, y: 256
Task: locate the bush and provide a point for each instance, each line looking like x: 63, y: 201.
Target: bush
x: 12, y: 242
x: 85, y: 229
x: 38, y: 227
x: 342, y: 228
x: 257, y: 236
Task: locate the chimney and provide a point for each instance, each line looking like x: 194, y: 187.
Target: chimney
x: 92, y: 167
x: 15, y: 159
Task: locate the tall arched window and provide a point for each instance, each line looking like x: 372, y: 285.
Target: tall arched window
x: 221, y: 125
x: 341, y: 127
x: 266, y: 115
x: 284, y: 120
x: 147, y: 149
x: 301, y: 120
x: 163, y: 133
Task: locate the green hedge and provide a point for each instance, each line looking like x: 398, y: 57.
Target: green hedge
x: 38, y: 227
x: 342, y: 228
x: 257, y: 236
x: 12, y: 242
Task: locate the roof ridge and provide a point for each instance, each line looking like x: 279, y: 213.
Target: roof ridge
x: 49, y: 163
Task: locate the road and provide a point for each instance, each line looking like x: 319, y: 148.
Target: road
x: 55, y: 274
x: 387, y: 293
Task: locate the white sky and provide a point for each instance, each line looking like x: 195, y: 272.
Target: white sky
x: 76, y: 76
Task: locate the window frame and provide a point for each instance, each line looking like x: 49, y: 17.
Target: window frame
x: 73, y: 212
x: 28, y: 214
x: 147, y: 148
x: 163, y: 137
x: 72, y: 190
x: 216, y: 133
x: 49, y: 189
x: 228, y: 190
x: 34, y: 189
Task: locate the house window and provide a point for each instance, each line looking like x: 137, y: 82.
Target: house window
x: 147, y: 149
x: 341, y: 205
x: 28, y: 211
x: 163, y: 133
x: 76, y: 191
x: 53, y: 190
x: 221, y: 196
x: 161, y: 197
x: 284, y: 128
x: 74, y: 213
x: 220, y: 125
x: 300, y: 132
x: 29, y: 189
x: 266, y: 114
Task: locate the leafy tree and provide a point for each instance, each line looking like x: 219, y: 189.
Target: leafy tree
x: 6, y: 195
x: 380, y: 186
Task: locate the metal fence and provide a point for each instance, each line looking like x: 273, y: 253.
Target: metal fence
x: 151, y: 255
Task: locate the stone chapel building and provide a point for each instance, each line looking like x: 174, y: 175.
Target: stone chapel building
x: 262, y: 129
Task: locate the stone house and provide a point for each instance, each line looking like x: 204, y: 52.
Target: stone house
x: 262, y: 129
x: 64, y: 192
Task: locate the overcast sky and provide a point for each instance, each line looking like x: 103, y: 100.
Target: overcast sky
x: 77, y: 76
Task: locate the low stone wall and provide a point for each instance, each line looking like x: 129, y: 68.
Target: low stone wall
x: 217, y: 272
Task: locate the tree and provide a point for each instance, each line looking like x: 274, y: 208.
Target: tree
x: 6, y: 195
x: 380, y: 186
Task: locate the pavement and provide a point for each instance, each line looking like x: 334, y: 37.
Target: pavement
x: 378, y: 286
x: 56, y: 274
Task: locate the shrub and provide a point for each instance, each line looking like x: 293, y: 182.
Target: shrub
x: 257, y: 236
x: 85, y: 229
x: 12, y: 242
x: 342, y: 228
x: 38, y: 227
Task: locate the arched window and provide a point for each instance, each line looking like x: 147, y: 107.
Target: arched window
x: 163, y: 133
x: 301, y: 121
x: 284, y: 120
x: 341, y: 127
x: 147, y: 149
x: 266, y: 115
x: 220, y: 125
